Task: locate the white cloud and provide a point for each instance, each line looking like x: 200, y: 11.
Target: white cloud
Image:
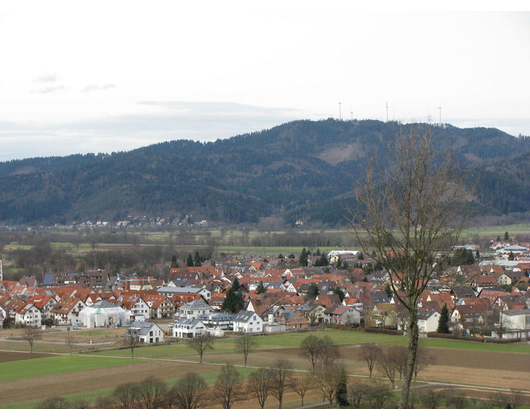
x: 212, y: 70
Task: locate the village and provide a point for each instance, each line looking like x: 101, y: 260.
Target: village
x: 488, y: 299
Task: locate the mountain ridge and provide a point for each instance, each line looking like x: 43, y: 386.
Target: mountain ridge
x: 296, y: 170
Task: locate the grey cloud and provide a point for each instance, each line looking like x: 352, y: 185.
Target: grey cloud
x: 46, y: 78
x: 127, y: 132
x: 92, y: 88
x: 50, y: 89
x: 216, y: 107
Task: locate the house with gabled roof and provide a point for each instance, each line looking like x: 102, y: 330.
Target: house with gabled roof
x: 193, y: 309
x: 516, y: 322
x: 136, y: 308
x: 66, y: 310
x: 217, y: 300
x: 428, y: 320
x: 187, y: 328
x: 6, y: 286
x: 493, y: 295
x: 170, y: 291
x: 160, y: 306
x: 295, y: 272
x: 484, y: 281
x: 313, y: 311
x: 293, y: 320
x: 28, y: 281
x: 328, y: 300
x: 18, y: 290
x: 248, y: 322
x: 342, y: 315
x: 147, y: 332
x: 44, y: 303
x: 27, y: 314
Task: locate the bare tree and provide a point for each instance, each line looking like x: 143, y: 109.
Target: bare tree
x: 31, y: 335
x: 152, y: 393
x: 54, y: 403
x: 370, y: 353
x: 71, y: 342
x: 245, y: 345
x: 378, y: 395
x: 329, y: 351
x: 228, y: 387
x: 409, y: 214
x: 131, y: 341
x: 125, y: 395
x: 188, y: 392
x: 259, y: 385
x: 301, y: 384
x: 281, y: 372
x: 423, y: 360
x: 310, y: 349
x: 328, y: 380
x: 389, y: 366
x: 201, y: 343
x: 431, y: 399
x: 357, y: 393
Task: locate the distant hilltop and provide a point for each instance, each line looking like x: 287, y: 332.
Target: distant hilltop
x: 300, y: 172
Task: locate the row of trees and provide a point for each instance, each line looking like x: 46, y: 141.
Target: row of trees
x: 328, y: 376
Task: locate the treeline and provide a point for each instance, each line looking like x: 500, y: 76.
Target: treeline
x: 327, y: 378
x: 300, y: 170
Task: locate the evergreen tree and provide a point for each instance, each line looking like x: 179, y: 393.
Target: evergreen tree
x: 443, y: 322
x: 312, y: 291
x: 511, y: 257
x: 338, y: 291
x: 477, y: 255
x: 341, y: 393
x: 174, y: 263
x: 506, y: 236
x: 261, y: 288
x: 189, y: 261
x: 233, y: 302
x: 318, y: 252
x: 388, y: 291
x: 197, y: 259
x: 281, y: 257
x: 322, y: 261
x: 303, y: 261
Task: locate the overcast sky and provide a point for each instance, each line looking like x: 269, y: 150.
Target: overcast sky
x: 78, y: 77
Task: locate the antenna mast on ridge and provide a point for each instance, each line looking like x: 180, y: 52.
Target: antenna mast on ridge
x: 387, y: 112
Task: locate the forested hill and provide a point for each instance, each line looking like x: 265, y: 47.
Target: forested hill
x: 299, y: 170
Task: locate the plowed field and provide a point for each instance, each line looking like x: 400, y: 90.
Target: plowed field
x: 500, y: 370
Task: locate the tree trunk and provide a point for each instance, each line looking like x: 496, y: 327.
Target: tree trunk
x: 411, y: 359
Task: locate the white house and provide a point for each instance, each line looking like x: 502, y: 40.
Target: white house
x: 516, y: 323
x: 193, y: 309
x: 187, y: 328
x: 147, y: 332
x: 136, y: 307
x: 428, y: 321
x: 66, y: 311
x: 248, y: 322
x: 28, y: 315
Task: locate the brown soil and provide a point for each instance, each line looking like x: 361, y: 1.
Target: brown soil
x: 452, y: 366
x: 7, y: 356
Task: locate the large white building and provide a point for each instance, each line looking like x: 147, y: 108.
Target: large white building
x: 103, y: 314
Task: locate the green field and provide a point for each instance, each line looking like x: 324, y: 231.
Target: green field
x: 57, y: 364
x: 180, y: 351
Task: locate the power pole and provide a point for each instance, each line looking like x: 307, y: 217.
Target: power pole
x: 340, y: 112
x: 387, y: 112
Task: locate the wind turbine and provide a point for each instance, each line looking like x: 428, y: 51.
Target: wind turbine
x: 440, y: 109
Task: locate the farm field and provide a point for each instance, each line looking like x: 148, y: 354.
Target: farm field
x: 92, y: 375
